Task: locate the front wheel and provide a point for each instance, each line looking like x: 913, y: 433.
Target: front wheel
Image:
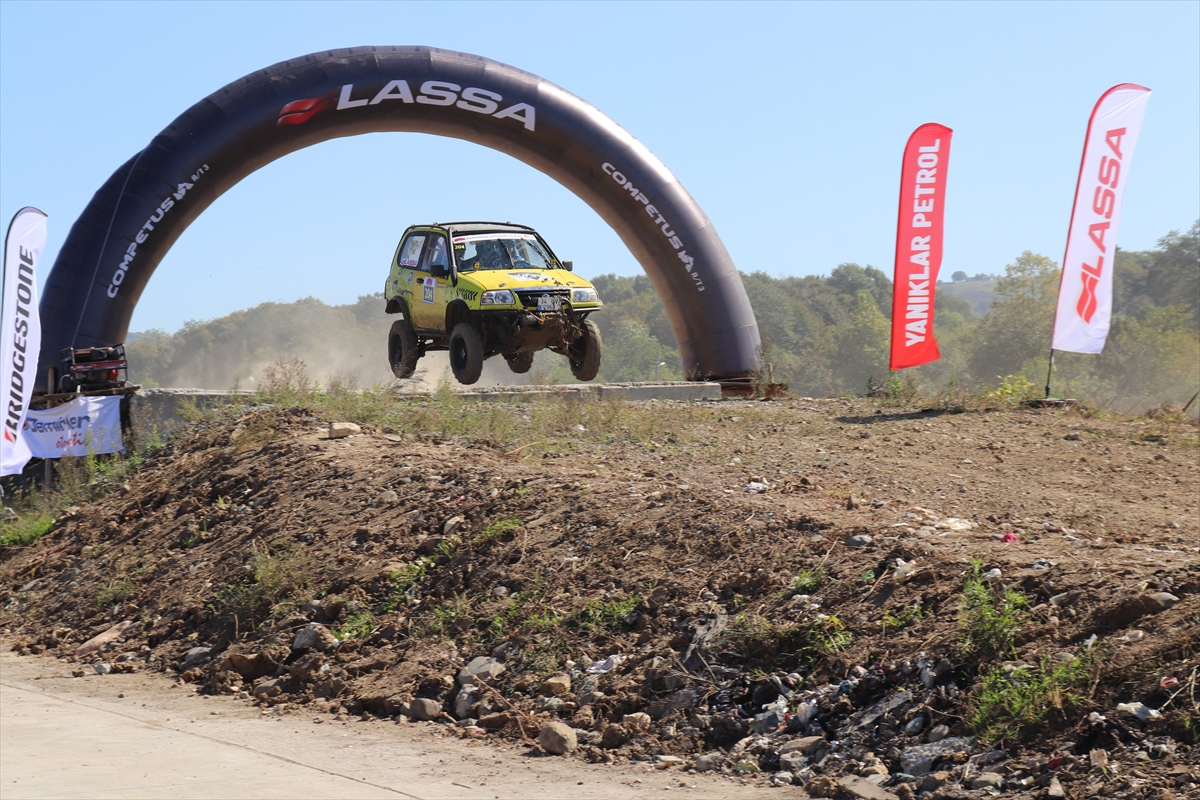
x: 584, y: 353
x: 520, y: 363
x: 402, y: 349
x: 466, y: 353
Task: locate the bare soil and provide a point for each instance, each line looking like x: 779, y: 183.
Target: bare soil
x: 729, y: 552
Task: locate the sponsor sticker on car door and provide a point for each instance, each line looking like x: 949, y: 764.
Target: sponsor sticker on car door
x: 411, y: 251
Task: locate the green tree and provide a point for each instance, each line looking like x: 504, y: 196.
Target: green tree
x: 850, y: 279
x: 1174, y: 275
x: 1018, y: 326
x: 632, y: 354
x: 862, y: 345
x: 150, y: 355
x: 1151, y: 359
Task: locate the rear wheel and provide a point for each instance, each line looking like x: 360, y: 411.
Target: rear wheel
x: 584, y: 353
x: 466, y: 353
x: 402, y: 349
x: 520, y: 363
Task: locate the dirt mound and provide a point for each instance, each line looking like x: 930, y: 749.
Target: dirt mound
x: 820, y: 592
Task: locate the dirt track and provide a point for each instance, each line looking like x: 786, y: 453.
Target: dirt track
x: 626, y: 529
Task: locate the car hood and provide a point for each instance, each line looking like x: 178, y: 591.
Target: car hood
x: 486, y: 279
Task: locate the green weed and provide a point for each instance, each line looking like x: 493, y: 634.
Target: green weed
x: 806, y: 582
x: 286, y: 382
x: 990, y: 616
x: 26, y: 530
x: 1014, y: 703
x: 516, y: 614
x: 279, y: 580
x: 404, y: 583
x: 903, y: 617
x: 760, y: 639
x: 448, y: 619
x: 496, y: 530
x: 114, y: 592
x: 357, y: 626
x: 604, y: 614
x: 1013, y: 389
x: 829, y: 634
x: 544, y: 658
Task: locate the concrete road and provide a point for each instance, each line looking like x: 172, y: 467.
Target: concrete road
x: 143, y: 736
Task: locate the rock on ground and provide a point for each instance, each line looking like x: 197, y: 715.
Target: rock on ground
x: 314, y: 637
x: 425, y: 709
x: 557, y: 738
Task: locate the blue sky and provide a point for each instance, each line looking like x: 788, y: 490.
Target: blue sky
x: 785, y: 121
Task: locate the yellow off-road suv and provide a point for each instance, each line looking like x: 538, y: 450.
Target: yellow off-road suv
x: 480, y: 289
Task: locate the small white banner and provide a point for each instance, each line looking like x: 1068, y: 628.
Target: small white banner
x: 20, y: 332
x: 1084, y: 309
x: 83, y: 426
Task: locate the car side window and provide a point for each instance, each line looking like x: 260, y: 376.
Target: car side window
x: 410, y: 252
x: 435, y: 253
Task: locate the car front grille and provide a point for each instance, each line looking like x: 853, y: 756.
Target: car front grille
x: 529, y: 297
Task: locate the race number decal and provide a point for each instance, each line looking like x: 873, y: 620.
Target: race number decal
x: 427, y: 290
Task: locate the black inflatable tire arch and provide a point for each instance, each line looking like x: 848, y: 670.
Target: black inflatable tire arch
x: 135, y: 217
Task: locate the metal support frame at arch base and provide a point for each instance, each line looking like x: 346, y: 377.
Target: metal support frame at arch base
x: 135, y: 217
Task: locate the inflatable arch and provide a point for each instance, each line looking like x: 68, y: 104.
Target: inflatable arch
x: 135, y: 217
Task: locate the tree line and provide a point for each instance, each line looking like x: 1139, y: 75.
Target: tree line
x: 823, y: 335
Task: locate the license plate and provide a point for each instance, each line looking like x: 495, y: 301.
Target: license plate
x: 549, y: 303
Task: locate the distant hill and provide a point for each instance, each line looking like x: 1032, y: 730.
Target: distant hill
x: 822, y: 335
x: 979, y: 293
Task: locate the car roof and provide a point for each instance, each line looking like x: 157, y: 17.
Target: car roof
x: 483, y: 227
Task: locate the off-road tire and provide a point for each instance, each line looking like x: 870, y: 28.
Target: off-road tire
x: 520, y: 363
x: 466, y: 353
x: 584, y: 353
x: 403, y: 350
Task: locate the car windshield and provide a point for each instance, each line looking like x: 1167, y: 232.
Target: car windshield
x: 502, y: 251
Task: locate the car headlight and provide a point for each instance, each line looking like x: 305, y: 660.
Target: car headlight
x: 584, y: 296
x: 497, y: 297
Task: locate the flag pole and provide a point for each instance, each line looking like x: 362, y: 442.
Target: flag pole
x: 1049, y: 369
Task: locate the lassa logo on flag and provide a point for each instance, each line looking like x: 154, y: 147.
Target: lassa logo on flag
x: 919, y: 235
x: 1104, y: 199
x: 1084, y: 311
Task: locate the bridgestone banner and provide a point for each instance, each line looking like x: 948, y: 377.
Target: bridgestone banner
x: 83, y: 426
x: 1084, y: 311
x: 919, y: 236
x: 20, y: 332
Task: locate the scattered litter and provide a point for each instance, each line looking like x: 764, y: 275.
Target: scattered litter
x: 1009, y: 537
x: 755, y: 487
x: 1139, y: 710
x: 607, y: 665
x: 905, y: 569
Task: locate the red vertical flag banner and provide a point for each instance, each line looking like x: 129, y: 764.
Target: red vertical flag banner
x: 919, y: 235
x: 1084, y: 311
